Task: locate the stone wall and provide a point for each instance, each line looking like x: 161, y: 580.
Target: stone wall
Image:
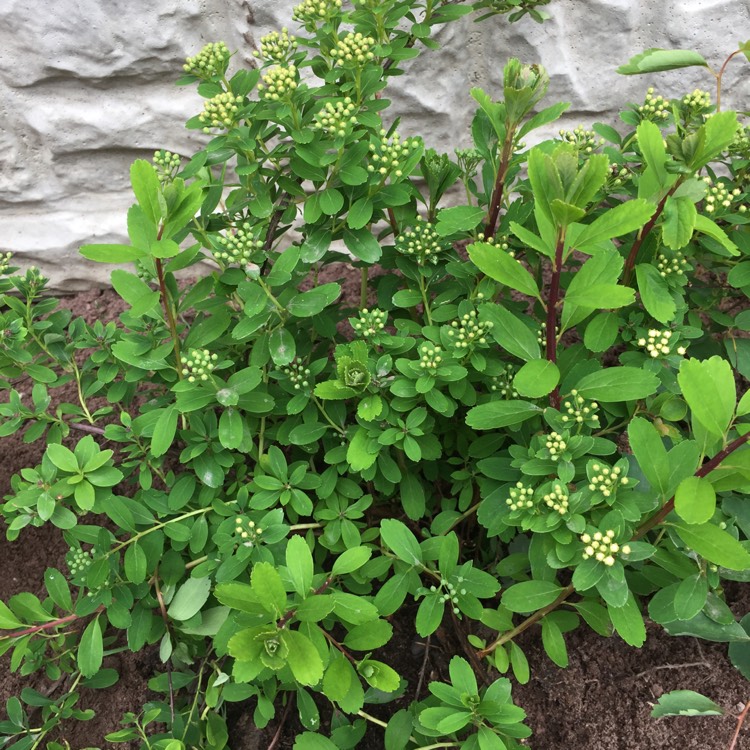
x: 86, y: 87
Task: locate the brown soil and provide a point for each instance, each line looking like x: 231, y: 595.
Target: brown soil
x: 601, y: 701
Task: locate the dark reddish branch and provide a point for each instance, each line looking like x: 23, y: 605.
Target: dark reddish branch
x: 53, y: 624
x: 497, y: 192
x: 552, y: 300
x: 703, y: 471
x: 86, y: 428
x: 639, y: 240
x: 740, y: 721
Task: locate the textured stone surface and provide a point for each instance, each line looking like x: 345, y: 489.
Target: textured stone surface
x: 86, y: 87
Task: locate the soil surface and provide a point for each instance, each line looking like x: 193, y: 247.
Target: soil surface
x: 602, y: 701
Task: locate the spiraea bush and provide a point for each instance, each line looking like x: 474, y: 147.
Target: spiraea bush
x: 532, y: 417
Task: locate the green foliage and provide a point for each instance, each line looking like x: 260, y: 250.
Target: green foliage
x: 263, y: 477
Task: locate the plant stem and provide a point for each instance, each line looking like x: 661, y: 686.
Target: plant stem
x: 552, y: 300
x: 165, y: 618
x: 719, y: 76
x: 425, y: 301
x: 707, y: 468
x: 48, y: 625
x: 363, y: 288
x: 158, y: 526
x: 338, y: 428
x: 85, y: 428
x: 645, y: 231
x: 497, y: 192
x: 290, y: 612
x: 740, y: 722
x: 168, y: 311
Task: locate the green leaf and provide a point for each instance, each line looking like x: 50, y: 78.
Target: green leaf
x: 63, y: 458
x: 282, y: 347
x: 601, y: 296
x: 715, y: 544
x: 709, y: 389
x: 147, y: 190
x: 91, y: 649
x: 401, y: 541
x: 331, y: 201
x: 362, y: 452
x: 341, y: 684
x: 369, y: 635
x: 648, y: 448
x: 164, y: 431
x: 678, y: 222
x: 136, y: 563
x: 655, y: 60
x: 719, y: 129
x: 497, y: 414
x: 707, y: 226
x: 651, y: 143
x: 299, y: 563
x: 690, y: 597
x: 268, y: 588
x: 628, y: 622
x: 379, y: 675
x: 498, y: 265
x: 655, y: 293
x: 536, y: 378
x: 458, y: 219
x: 136, y: 292
x: 513, y: 335
x: 695, y: 502
x: 303, y: 658
x: 112, y: 253
x: 554, y: 643
x: 739, y: 653
x: 350, y: 560
x: 429, y: 615
x: 618, y: 384
x: 685, y: 703
x: 231, y: 430
x: 601, y: 332
x: 529, y: 596
x: 360, y: 213
x: 189, y: 598
x: 58, y: 589
x: 313, y: 741
x: 622, y: 219
x: 362, y: 245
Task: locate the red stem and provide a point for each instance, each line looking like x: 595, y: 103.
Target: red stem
x: 648, y: 226
x: 740, y: 722
x: 497, y: 192
x: 53, y: 624
x: 290, y: 613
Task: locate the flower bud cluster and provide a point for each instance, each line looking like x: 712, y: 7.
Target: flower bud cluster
x: 698, y: 100
x: 503, y: 383
x: 578, y: 411
x: 298, y: 375
x: 238, y: 247
x: 521, y: 497
x: 211, y: 61
x: 311, y: 12
x: 279, y: 82
x: 143, y: 272
x: 198, y: 365
x: 468, y: 160
x: 449, y: 593
x: 388, y: 155
x: 500, y: 240
x: 220, y: 112
x: 167, y: 165
x: 246, y: 532
x: 353, y: 50
x: 5, y: 261
x: 555, y: 445
x: 618, y: 176
x: 422, y: 243
x: 370, y: 323
x: 541, y: 335
x: 657, y: 343
x: 430, y: 357
x: 606, y: 480
x: 602, y: 548
x: 719, y: 197
x: 276, y: 47
x: 336, y: 119
x: 654, y: 108
x: 676, y: 265
x: 741, y: 143
x: 12, y: 332
x: 467, y: 331
x: 557, y: 499
x: 78, y: 560
x: 584, y: 141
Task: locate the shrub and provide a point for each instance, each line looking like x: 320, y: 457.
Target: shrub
x: 529, y: 418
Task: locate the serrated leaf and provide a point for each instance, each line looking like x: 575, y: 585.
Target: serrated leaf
x: 655, y: 293
x: 685, y: 703
x: 678, y: 222
x: 513, y: 335
x: 622, y: 219
x: 303, y: 658
x: 709, y: 389
x: 695, y: 502
x: 536, y: 378
x: 458, y: 219
x: 618, y: 384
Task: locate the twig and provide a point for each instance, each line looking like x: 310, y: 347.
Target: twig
x: 277, y: 734
x: 420, y: 682
x: 86, y: 428
x: 740, y: 722
x: 52, y: 624
x: 672, y: 666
